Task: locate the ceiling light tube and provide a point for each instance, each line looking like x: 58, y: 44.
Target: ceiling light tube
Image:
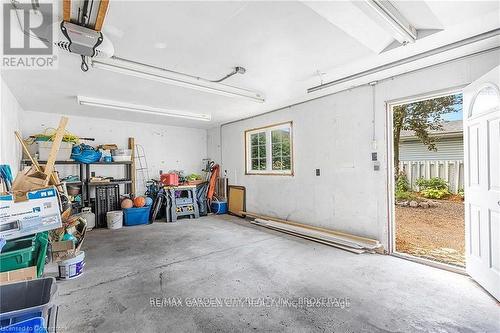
x: 144, y: 71
x: 102, y: 103
x: 402, y: 30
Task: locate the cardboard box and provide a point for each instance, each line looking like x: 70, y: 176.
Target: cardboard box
x: 21, y: 274
x: 63, y: 250
x: 27, y: 180
x: 39, y: 212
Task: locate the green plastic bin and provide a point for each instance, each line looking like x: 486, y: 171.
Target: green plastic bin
x: 41, y: 244
x: 16, y: 244
x: 25, y: 252
x: 20, y: 255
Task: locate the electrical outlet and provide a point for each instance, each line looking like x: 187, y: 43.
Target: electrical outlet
x: 318, y: 172
x: 374, y: 156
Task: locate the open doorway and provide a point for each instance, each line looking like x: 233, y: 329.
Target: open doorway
x: 428, y: 174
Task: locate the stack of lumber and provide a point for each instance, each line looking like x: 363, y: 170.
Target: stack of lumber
x: 341, y: 240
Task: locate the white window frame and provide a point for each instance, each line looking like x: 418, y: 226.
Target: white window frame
x: 269, y: 171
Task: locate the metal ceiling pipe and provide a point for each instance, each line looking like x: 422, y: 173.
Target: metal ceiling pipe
x: 441, y: 49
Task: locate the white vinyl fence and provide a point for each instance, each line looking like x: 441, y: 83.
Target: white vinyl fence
x: 450, y: 170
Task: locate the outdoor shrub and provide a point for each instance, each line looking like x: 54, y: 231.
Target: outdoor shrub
x: 402, y: 184
x: 404, y: 196
x: 435, y: 183
x: 432, y: 193
x: 461, y: 192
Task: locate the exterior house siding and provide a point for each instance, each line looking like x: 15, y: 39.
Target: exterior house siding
x: 447, y: 149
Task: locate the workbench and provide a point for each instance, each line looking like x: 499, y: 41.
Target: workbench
x: 183, y: 204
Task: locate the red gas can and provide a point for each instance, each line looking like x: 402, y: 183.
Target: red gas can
x: 169, y: 179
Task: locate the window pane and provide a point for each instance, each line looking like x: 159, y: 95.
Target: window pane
x: 262, y: 151
x: 262, y: 164
x: 285, y: 149
x: 276, y: 150
x: 286, y: 164
x: 255, y: 164
x: 276, y: 136
x: 277, y: 164
x: 286, y: 136
x: 254, y: 139
x: 262, y: 138
x: 255, y: 152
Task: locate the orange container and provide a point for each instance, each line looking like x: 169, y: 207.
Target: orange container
x: 169, y: 179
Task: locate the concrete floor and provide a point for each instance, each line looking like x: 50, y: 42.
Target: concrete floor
x: 225, y: 257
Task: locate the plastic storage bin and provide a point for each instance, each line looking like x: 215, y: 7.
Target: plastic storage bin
x: 33, y: 325
x: 16, y: 244
x: 41, y: 244
x: 121, y: 152
x: 25, y: 252
x: 17, y: 254
x: 136, y: 216
x: 24, y: 300
x: 63, y: 154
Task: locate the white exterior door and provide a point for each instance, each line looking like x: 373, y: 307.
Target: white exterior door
x: 482, y: 180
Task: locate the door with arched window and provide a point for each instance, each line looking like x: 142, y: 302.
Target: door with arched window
x: 482, y: 180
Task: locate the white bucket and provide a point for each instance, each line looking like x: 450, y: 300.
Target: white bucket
x: 114, y: 219
x: 72, y: 268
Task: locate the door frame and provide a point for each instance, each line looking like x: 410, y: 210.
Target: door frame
x: 391, y: 223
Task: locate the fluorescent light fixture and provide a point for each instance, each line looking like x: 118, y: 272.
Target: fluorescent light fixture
x: 394, y: 21
x: 144, y: 71
x: 102, y: 103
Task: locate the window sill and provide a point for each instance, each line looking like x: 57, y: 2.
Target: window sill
x: 268, y: 174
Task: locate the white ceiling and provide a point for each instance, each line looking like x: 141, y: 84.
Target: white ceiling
x: 283, y: 46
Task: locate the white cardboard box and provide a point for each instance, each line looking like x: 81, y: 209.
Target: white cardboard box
x: 39, y: 213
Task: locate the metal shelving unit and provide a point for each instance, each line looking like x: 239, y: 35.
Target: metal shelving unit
x: 85, y: 172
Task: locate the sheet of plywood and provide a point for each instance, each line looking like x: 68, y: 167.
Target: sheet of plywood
x: 236, y: 200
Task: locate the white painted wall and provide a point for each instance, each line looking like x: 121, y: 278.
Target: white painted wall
x: 334, y: 134
x: 10, y: 112
x: 166, y: 147
x: 214, y: 144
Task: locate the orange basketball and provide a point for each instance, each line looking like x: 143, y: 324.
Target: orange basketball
x: 139, y: 201
x: 127, y: 203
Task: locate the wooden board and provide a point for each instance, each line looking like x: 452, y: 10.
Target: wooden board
x: 56, y: 143
x: 131, y: 146
x: 67, y: 10
x: 314, y: 239
x: 27, y: 152
x: 236, y: 198
x: 103, y: 8
x: 333, y: 232
x: 318, y: 234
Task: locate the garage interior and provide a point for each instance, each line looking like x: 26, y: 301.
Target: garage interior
x: 229, y: 166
